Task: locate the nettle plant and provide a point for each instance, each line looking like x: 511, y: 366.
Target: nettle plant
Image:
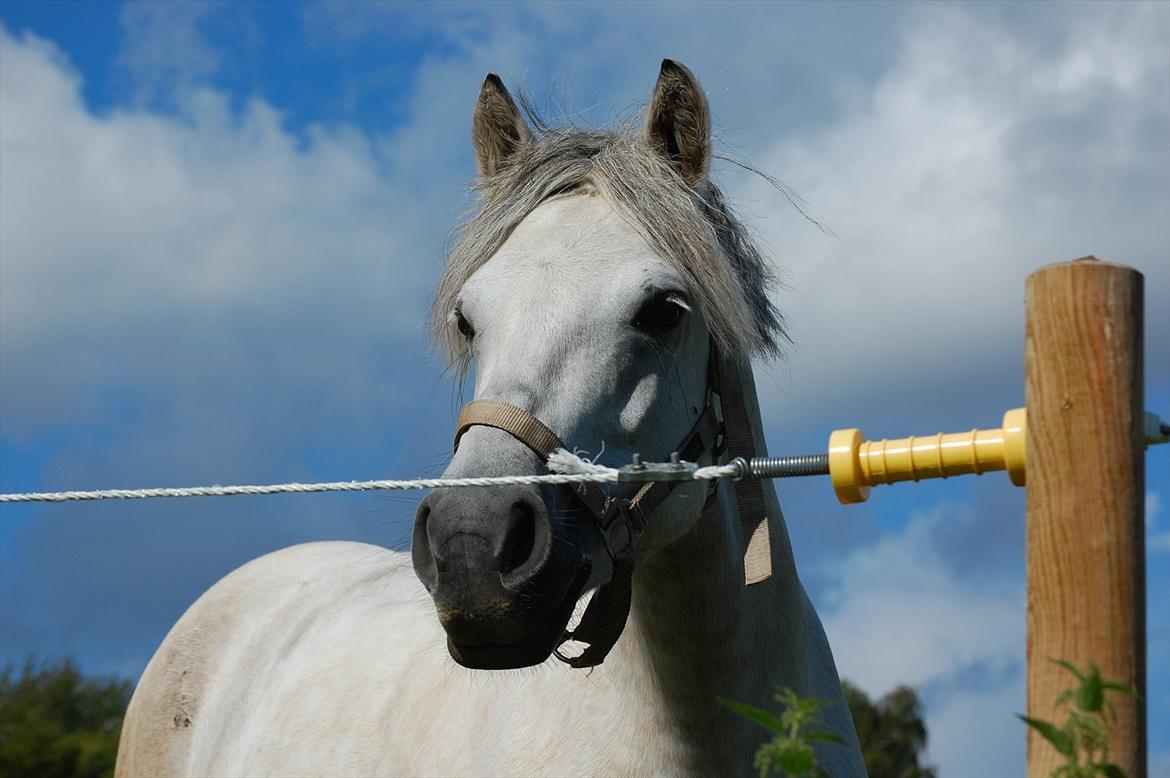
x: 798, y: 726
x: 1083, y: 739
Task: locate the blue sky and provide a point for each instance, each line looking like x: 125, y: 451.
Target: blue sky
x: 220, y: 226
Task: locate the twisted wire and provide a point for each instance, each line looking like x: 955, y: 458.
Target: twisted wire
x: 581, y: 471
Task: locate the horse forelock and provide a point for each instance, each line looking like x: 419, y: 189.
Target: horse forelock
x: 694, y: 231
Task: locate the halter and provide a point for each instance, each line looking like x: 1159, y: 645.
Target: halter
x: 722, y: 427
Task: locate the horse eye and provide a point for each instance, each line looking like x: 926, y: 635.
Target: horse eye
x: 659, y: 315
x: 463, y: 324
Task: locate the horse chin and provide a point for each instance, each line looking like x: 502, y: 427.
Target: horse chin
x: 531, y: 650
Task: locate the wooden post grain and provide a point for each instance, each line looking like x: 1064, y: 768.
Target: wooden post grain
x: 1086, y: 495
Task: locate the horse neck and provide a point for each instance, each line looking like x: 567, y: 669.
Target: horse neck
x: 697, y: 632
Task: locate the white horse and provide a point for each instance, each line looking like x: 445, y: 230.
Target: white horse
x: 594, y: 292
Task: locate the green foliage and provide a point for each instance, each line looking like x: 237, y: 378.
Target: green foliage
x: 891, y: 732
x: 1083, y: 740
x: 56, y: 723
x: 796, y: 729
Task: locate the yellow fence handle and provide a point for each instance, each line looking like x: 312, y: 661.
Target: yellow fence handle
x: 857, y: 464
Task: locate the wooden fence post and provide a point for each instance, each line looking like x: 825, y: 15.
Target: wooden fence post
x: 1086, y: 495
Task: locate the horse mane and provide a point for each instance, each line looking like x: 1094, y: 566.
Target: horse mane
x: 694, y: 231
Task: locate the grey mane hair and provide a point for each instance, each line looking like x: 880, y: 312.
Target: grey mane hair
x: 694, y: 231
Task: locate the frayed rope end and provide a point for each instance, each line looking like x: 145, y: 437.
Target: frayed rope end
x: 565, y: 462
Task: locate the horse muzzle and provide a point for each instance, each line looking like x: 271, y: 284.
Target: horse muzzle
x: 520, y: 619
x: 503, y: 588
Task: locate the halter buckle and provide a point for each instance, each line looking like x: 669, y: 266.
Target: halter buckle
x: 621, y: 524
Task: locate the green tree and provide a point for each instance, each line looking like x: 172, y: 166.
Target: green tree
x: 56, y: 722
x: 891, y: 732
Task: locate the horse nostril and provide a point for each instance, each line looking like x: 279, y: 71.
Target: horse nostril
x: 519, y: 539
x: 421, y: 551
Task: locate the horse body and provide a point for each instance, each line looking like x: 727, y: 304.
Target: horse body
x: 327, y: 658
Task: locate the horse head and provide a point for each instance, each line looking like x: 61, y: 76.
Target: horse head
x: 588, y: 293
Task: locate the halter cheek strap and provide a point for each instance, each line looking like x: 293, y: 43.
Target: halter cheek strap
x: 749, y: 492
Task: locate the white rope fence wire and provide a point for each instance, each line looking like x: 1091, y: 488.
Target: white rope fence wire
x: 568, y: 468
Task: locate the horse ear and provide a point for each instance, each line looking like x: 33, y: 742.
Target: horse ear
x: 497, y: 129
x: 678, y: 122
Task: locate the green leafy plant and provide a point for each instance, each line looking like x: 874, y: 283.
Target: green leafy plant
x: 796, y: 729
x: 1084, y: 738
x: 57, y: 722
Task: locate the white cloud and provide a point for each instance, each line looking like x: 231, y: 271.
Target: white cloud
x: 895, y: 614
x: 975, y: 734
x: 211, y: 256
x: 163, y: 49
x: 984, y: 152
x: 210, y: 259
x: 1157, y: 541
x: 900, y: 586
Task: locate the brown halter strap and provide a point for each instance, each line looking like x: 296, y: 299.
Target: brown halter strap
x: 749, y: 492
x: 517, y: 422
x: 622, y: 520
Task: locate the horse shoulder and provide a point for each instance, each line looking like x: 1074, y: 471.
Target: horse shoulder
x: 213, y: 653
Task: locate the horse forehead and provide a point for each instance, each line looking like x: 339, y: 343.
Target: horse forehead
x: 571, y: 252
